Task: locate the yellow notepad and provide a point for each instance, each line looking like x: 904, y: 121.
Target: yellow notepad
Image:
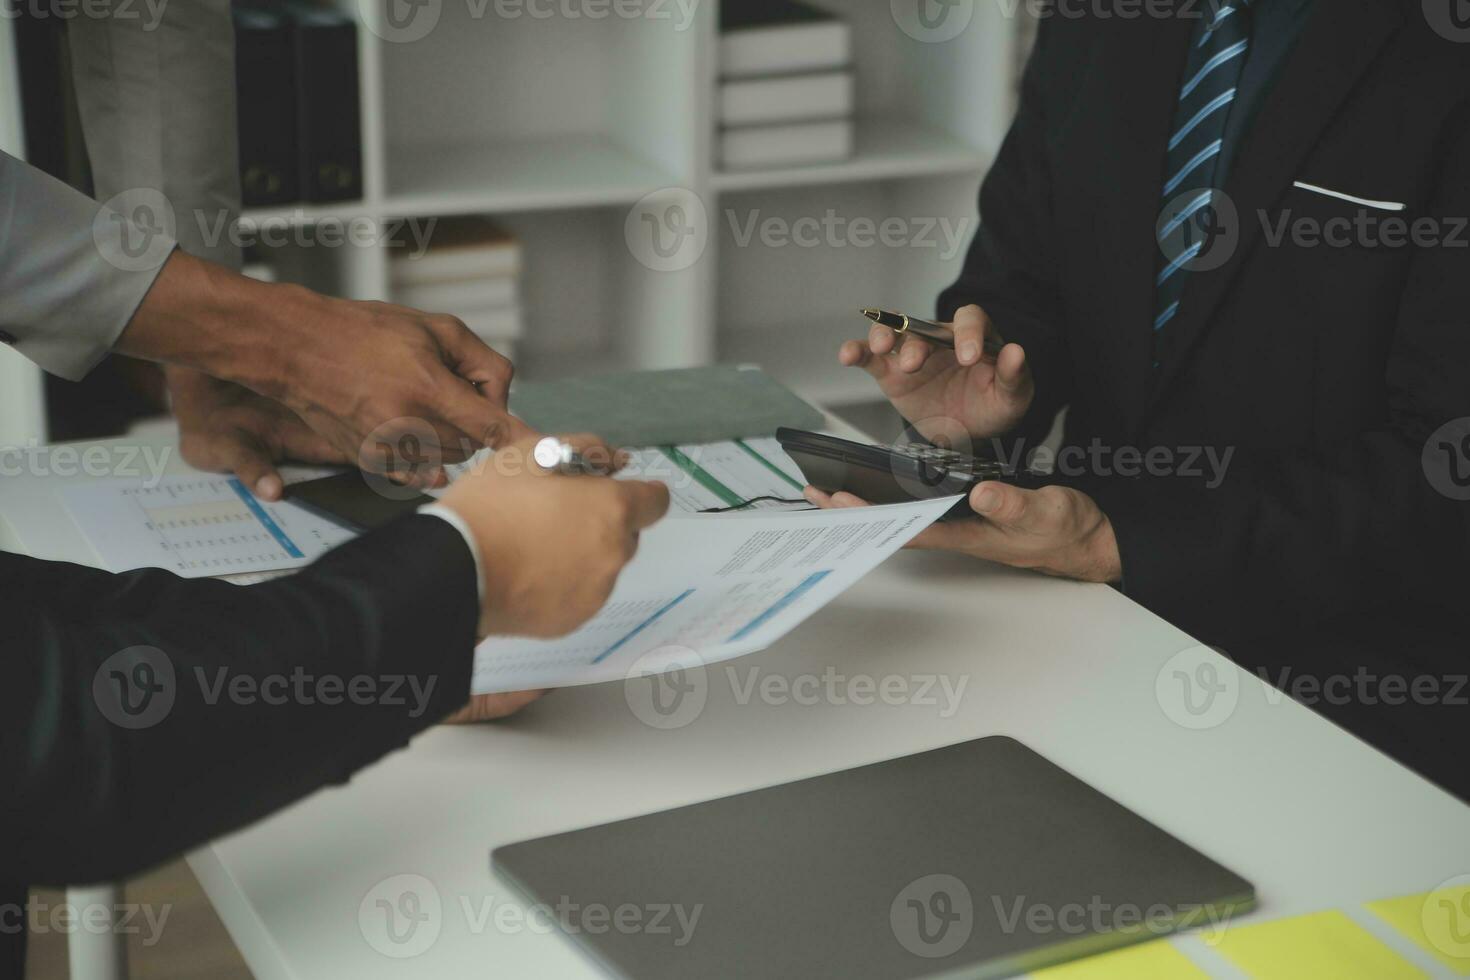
x: 1153, y: 960
x: 1439, y: 922
x: 1322, y: 944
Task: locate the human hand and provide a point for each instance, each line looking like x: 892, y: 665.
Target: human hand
x: 405, y: 391
x: 933, y: 387
x: 1055, y: 530
x: 493, y: 707
x: 368, y: 378
x: 224, y: 428
x: 552, y: 545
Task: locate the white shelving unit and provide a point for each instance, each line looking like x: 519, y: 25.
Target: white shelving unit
x: 561, y: 126
x: 22, y: 403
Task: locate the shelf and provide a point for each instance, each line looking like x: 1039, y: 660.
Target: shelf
x: 887, y: 148
x: 804, y: 358
x: 304, y: 215
x: 534, y: 175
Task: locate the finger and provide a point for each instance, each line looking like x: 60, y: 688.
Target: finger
x: 477, y: 408
x: 1011, y: 370
x: 882, y: 339
x: 480, y: 419
x: 417, y: 478
x: 600, y: 459
x: 492, y: 707
x: 589, y: 447
x: 855, y: 353
x: 410, y: 451
x: 1003, y: 504
x: 250, y: 460
x: 843, y: 500
x: 913, y: 354
x: 473, y: 359
x: 818, y: 498
x: 970, y: 328
x: 517, y: 429
x: 648, y: 501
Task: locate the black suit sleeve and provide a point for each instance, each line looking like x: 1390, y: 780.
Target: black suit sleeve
x: 1290, y: 539
x: 143, y: 714
x: 1010, y: 269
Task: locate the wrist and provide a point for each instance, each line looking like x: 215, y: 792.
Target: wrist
x: 484, y: 539
x: 269, y: 324
x: 472, y: 543
x: 201, y: 318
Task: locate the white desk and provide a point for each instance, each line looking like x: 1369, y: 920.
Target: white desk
x: 1314, y: 817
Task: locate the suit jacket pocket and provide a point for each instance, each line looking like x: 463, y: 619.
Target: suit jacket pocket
x: 1309, y: 218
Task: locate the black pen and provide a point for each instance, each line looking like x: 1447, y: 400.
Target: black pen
x: 902, y: 323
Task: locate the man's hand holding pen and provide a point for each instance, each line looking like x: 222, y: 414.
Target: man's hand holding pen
x: 552, y: 542
x: 933, y: 387
x: 984, y: 386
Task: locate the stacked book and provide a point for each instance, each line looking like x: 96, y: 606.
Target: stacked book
x: 470, y: 268
x: 786, y: 85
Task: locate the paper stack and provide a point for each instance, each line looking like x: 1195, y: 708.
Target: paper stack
x: 786, y: 89
x: 470, y: 268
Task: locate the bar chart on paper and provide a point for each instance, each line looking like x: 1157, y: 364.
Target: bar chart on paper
x: 196, y: 527
x: 706, y: 589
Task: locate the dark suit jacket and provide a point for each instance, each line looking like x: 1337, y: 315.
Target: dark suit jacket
x: 1325, y: 369
x: 88, y: 797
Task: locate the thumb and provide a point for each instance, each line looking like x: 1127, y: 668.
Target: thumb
x: 1011, y: 370
x: 649, y: 501
x: 1000, y: 503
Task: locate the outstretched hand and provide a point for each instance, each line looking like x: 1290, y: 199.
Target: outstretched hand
x: 1055, y: 530
x: 936, y: 389
x: 367, y: 378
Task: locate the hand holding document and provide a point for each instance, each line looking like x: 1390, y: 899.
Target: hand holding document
x: 710, y: 588
x: 704, y: 587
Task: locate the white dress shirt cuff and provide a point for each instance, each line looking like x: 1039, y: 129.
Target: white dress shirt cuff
x: 458, y: 523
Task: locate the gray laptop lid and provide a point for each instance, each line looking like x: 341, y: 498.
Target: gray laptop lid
x: 979, y: 859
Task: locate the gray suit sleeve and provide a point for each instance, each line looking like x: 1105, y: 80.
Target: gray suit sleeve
x: 72, y: 273
x: 156, y: 93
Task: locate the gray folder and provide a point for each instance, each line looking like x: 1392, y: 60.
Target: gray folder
x: 980, y: 859
x: 663, y: 408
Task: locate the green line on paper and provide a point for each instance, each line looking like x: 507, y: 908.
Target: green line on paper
x: 769, y: 465
x: 702, y: 475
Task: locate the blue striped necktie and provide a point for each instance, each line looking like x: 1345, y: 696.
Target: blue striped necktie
x: 1211, y: 74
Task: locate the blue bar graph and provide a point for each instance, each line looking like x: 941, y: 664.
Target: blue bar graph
x: 780, y: 604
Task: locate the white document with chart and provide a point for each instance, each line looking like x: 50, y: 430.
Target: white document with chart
x: 197, y: 527
x: 212, y: 526
x: 708, y: 588
x: 704, y: 586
